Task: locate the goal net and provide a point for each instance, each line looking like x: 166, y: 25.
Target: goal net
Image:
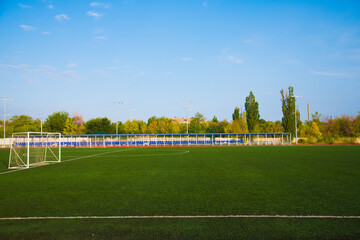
x: 34, y: 148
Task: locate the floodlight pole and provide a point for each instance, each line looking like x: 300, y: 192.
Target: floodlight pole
x: 5, y: 99
x: 296, y: 139
x: 117, y: 116
x: 131, y: 110
x: 186, y: 109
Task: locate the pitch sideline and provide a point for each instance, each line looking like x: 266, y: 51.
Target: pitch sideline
x: 180, y: 217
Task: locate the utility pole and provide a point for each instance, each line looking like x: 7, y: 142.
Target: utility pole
x: 117, y: 116
x: 295, y: 96
x: 131, y: 112
x: 308, y: 113
x: 5, y: 99
x: 186, y: 109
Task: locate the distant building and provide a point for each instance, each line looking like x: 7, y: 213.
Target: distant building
x: 181, y: 120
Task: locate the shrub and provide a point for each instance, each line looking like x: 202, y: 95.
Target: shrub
x: 348, y: 140
x: 312, y: 140
x: 329, y: 140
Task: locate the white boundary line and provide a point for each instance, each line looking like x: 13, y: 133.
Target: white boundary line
x: 73, y: 159
x: 178, y: 217
x: 163, y: 153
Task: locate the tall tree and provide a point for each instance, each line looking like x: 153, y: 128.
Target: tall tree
x: 252, y: 112
x: 56, y: 122
x: 288, y: 101
x: 236, y: 114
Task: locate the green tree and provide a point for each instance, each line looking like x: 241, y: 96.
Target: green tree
x: 120, y: 128
x: 8, y: 131
x: 252, y: 112
x: 197, y: 124
x: 152, y: 127
x: 24, y: 123
x: 313, y: 132
x: 142, y: 127
x: 135, y: 125
x: 274, y: 127
x: 357, y: 125
x: 223, y: 127
x: 56, y: 122
x: 239, y: 125
x: 152, y: 119
x: 215, y: 120
x: 316, y: 117
x: 98, y: 125
x: 70, y: 127
x: 288, y: 108
x: 212, y: 125
x: 236, y: 114
x: 163, y: 125
x: 345, y: 126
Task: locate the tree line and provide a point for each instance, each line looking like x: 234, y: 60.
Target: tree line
x: 327, y: 129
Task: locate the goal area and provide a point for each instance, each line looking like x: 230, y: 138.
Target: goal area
x: 29, y: 149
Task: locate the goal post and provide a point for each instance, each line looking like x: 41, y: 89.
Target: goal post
x: 34, y: 148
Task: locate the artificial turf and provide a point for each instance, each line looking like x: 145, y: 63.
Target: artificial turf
x: 268, y: 180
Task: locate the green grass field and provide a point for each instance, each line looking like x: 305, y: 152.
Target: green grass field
x: 309, y: 180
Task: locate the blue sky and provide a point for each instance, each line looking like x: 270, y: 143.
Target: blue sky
x: 79, y: 56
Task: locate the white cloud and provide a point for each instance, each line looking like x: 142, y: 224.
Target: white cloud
x: 100, y: 38
x: 24, y: 6
x: 330, y: 74
x: 27, y: 27
x: 100, y: 5
x: 93, y: 14
x: 71, y: 65
x: 186, y: 59
x: 45, y: 33
x: 62, y: 17
x: 21, y: 67
x: 41, y: 73
x: 51, y: 6
x: 205, y: 3
x: 234, y: 59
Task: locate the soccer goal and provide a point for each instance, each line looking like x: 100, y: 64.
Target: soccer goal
x: 34, y: 148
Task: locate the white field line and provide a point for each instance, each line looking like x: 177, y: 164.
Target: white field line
x: 99, y: 154
x: 73, y: 159
x: 179, y: 217
x: 173, y: 152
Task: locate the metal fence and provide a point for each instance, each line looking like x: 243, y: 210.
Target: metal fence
x: 195, y: 139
